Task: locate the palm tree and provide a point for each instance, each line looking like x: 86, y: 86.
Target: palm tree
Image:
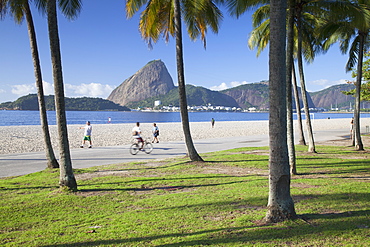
x: 280, y: 204
x: 289, y: 63
x: 352, y: 24
x: 306, y: 45
x: 19, y: 11
x: 164, y: 17
x: 308, y: 37
x: 71, y: 7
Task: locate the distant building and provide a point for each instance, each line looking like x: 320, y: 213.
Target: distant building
x: 157, y: 103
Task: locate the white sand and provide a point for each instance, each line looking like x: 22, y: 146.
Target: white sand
x: 22, y: 139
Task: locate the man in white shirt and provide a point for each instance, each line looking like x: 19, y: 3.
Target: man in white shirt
x: 87, y: 134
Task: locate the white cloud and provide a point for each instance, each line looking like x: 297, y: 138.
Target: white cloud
x: 326, y: 83
x: 224, y: 85
x: 48, y: 88
x: 220, y: 87
x: 89, y: 90
x: 237, y: 83
x: 323, y: 83
x: 23, y: 89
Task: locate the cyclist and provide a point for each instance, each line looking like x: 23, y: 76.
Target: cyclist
x: 136, y: 134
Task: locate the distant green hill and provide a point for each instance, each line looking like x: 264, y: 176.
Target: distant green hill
x: 30, y: 102
x: 257, y: 95
x: 333, y: 97
x: 196, y: 96
x: 250, y: 95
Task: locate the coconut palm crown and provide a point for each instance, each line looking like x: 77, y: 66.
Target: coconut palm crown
x: 158, y: 18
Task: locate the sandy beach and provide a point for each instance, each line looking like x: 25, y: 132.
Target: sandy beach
x: 22, y: 139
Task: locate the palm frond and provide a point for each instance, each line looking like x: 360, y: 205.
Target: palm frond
x: 261, y: 14
x: 237, y: 8
x: 70, y: 8
x: 41, y: 6
x: 260, y: 37
x: 16, y: 8
x: 133, y: 6
x: 199, y: 16
x: 353, y: 54
x: 3, y: 8
x: 151, y: 24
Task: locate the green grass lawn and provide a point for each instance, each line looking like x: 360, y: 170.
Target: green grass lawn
x: 174, y: 202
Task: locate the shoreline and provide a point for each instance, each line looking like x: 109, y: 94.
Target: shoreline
x: 29, y: 138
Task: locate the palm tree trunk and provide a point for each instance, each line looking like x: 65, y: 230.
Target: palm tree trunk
x: 192, y: 153
x: 311, y: 142
x: 67, y: 179
x: 289, y: 62
x: 353, y: 135
x: 298, y: 108
x: 356, y: 120
x: 280, y: 204
x: 52, y: 161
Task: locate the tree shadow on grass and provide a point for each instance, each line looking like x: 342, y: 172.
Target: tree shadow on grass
x: 278, y: 234
x: 347, y: 167
x: 143, y: 187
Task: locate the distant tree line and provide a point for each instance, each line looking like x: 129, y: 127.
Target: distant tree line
x: 30, y: 102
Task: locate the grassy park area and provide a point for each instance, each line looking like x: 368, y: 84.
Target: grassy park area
x: 174, y: 202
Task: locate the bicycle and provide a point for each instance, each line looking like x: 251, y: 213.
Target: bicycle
x: 147, y: 148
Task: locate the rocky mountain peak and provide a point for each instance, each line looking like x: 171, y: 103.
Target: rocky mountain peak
x: 151, y: 80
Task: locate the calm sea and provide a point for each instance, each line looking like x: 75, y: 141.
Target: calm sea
x: 9, y: 118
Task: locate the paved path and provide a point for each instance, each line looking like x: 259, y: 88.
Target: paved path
x: 25, y: 163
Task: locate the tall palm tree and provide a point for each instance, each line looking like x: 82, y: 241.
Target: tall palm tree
x: 280, y: 203
x: 259, y: 38
x: 289, y: 64
x: 71, y: 7
x: 305, y: 45
x: 305, y: 23
x: 19, y: 10
x: 164, y: 17
x: 351, y: 27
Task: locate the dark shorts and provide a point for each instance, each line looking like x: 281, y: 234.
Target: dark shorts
x: 87, y: 138
x: 140, y: 139
x: 155, y: 134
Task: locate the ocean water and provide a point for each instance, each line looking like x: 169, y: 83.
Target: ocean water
x: 12, y: 118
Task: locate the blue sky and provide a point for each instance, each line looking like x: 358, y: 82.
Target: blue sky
x: 102, y: 48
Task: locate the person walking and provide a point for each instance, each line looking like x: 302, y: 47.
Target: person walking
x: 155, y: 131
x: 87, y: 134
x: 136, y: 133
x: 213, y: 122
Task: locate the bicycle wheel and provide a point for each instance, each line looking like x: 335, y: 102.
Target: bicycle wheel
x: 148, y: 147
x: 134, y: 149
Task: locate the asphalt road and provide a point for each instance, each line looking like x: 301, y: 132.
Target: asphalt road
x: 25, y: 163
